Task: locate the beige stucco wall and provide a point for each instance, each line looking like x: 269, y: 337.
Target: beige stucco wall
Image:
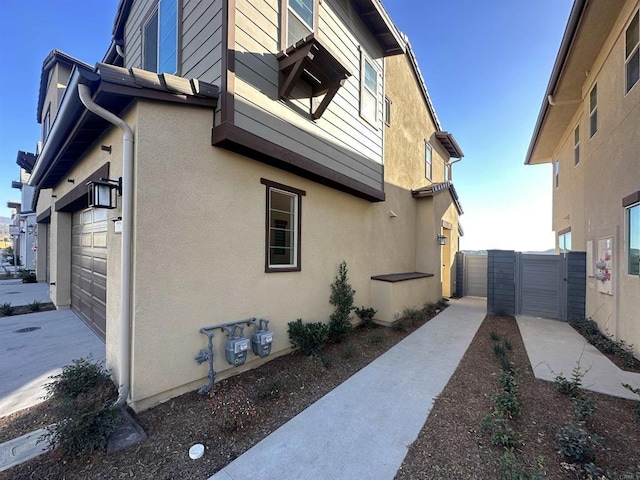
x: 589, y: 198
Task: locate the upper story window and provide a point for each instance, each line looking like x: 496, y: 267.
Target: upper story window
x: 46, y: 124
x: 633, y: 237
x: 556, y: 173
x: 387, y: 111
x: 576, y: 145
x: 593, y: 111
x: 301, y: 16
x: 447, y: 171
x: 369, y: 87
x: 160, y: 38
x: 564, y: 241
x: 632, y: 53
x: 283, y: 227
x: 428, y: 160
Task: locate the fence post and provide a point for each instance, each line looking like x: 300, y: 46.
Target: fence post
x: 501, y: 285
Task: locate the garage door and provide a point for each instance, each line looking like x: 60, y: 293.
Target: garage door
x: 89, y: 267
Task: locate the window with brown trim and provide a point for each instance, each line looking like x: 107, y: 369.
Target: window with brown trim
x: 593, y: 111
x: 369, y: 88
x: 299, y: 19
x: 282, y: 227
x: 632, y: 53
x: 160, y: 38
x: 428, y: 160
x: 576, y: 145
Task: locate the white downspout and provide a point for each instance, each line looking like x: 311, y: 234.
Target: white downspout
x: 127, y: 227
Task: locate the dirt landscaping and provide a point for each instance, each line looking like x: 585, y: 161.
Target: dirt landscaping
x: 23, y: 309
x: 451, y: 444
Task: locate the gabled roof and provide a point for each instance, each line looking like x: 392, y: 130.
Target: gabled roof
x: 26, y: 160
x: 55, y: 56
x: 435, y: 188
x: 75, y: 128
x: 446, y: 139
x: 589, y: 25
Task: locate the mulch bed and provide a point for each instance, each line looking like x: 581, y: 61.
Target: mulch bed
x: 22, y: 309
x: 450, y: 446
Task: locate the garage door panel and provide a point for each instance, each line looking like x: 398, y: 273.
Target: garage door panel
x: 89, y: 268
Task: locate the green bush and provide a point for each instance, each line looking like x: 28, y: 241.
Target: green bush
x: 342, y: 298
x: 366, y: 315
x: 496, y: 425
x: 6, y: 309
x: 494, y: 336
x: 512, y: 469
x: 35, y: 306
x: 28, y: 276
x: 309, y: 337
x: 83, y: 394
x: 637, y: 392
x: 232, y: 409
x: 398, y: 325
x: 376, y: 337
x: 571, y: 387
x: 590, y: 331
x: 583, y: 407
x: 348, y: 350
x: 576, y: 444
x: 411, y: 315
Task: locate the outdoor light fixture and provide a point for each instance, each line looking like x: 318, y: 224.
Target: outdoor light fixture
x: 102, y: 193
x: 442, y: 240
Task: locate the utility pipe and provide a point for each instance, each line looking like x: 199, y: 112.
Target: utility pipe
x: 127, y: 228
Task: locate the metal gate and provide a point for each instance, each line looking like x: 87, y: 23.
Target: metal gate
x: 475, y: 275
x: 541, y: 285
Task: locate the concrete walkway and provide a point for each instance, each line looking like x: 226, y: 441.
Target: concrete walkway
x: 554, y: 347
x: 16, y: 293
x: 53, y: 339
x: 363, y: 428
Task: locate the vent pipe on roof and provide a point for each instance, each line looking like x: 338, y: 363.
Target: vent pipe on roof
x: 562, y: 102
x: 124, y: 363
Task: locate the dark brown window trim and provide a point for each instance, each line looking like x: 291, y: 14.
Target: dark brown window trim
x: 227, y: 80
x: 44, y: 217
x: 77, y: 197
x: 564, y: 231
x: 299, y: 193
x: 631, y: 199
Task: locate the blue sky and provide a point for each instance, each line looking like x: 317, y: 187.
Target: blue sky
x: 486, y: 64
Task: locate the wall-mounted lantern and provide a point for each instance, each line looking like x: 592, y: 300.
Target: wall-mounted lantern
x: 442, y: 240
x: 102, y: 193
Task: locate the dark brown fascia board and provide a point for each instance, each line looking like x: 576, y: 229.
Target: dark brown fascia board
x: 233, y: 138
x: 401, y: 277
x: 153, y: 94
x: 77, y: 197
x: 44, y: 217
x: 631, y: 199
x: 577, y: 11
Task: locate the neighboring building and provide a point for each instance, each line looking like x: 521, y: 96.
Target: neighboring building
x: 24, y: 217
x: 589, y: 130
x: 263, y: 151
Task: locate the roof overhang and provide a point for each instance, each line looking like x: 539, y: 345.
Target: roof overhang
x: 14, y: 204
x: 75, y: 128
x: 26, y: 160
x: 588, y: 27
x: 376, y: 18
x: 448, y: 141
x: 435, y: 188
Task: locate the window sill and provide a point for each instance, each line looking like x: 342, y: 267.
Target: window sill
x: 283, y: 269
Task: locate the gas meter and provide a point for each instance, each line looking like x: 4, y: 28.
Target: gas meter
x: 262, y: 338
x: 237, y: 345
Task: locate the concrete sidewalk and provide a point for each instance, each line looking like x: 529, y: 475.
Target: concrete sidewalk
x: 363, y: 428
x: 16, y: 293
x: 35, y: 346
x: 554, y: 347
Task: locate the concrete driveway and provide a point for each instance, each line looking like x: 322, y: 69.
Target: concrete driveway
x: 17, y: 293
x: 35, y: 346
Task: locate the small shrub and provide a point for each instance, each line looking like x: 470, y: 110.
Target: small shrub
x: 429, y: 308
x: 571, y: 387
x: 507, y: 345
x: 637, y: 392
x: 6, y: 309
x: 583, y: 407
x: 309, y: 337
x: 512, y: 469
x: 506, y: 404
x: 509, y: 382
x: 499, y: 351
x: 232, y: 409
x: 496, y: 425
x: 494, y: 336
x: 348, y: 350
x: 376, y: 337
x: 366, y: 315
x: 273, y: 389
x: 83, y: 394
x: 398, y: 325
x: 35, y: 306
x: 28, y: 276
x: 342, y: 298
x: 576, y: 444
x: 411, y: 315
x: 590, y: 331
x: 443, y: 303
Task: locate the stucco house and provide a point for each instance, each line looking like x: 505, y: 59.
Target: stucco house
x: 248, y: 151
x: 588, y: 129
x: 24, y: 217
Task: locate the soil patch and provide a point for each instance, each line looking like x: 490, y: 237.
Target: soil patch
x: 22, y: 309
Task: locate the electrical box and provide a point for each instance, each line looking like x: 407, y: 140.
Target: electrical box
x: 262, y: 339
x: 237, y: 346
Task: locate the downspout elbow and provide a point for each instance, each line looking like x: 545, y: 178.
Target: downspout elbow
x: 553, y: 102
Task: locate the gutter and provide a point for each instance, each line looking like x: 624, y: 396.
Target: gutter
x: 575, y: 16
x: 124, y: 364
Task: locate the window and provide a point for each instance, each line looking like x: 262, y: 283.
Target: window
x: 160, y: 39
x: 593, y: 110
x: 46, y: 124
x: 447, y: 171
x: 283, y: 221
x: 387, y: 111
x: 368, y: 90
x: 428, y: 154
x: 556, y: 173
x: 576, y: 145
x: 633, y: 222
x: 564, y: 241
x: 300, y: 19
x: 632, y: 54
